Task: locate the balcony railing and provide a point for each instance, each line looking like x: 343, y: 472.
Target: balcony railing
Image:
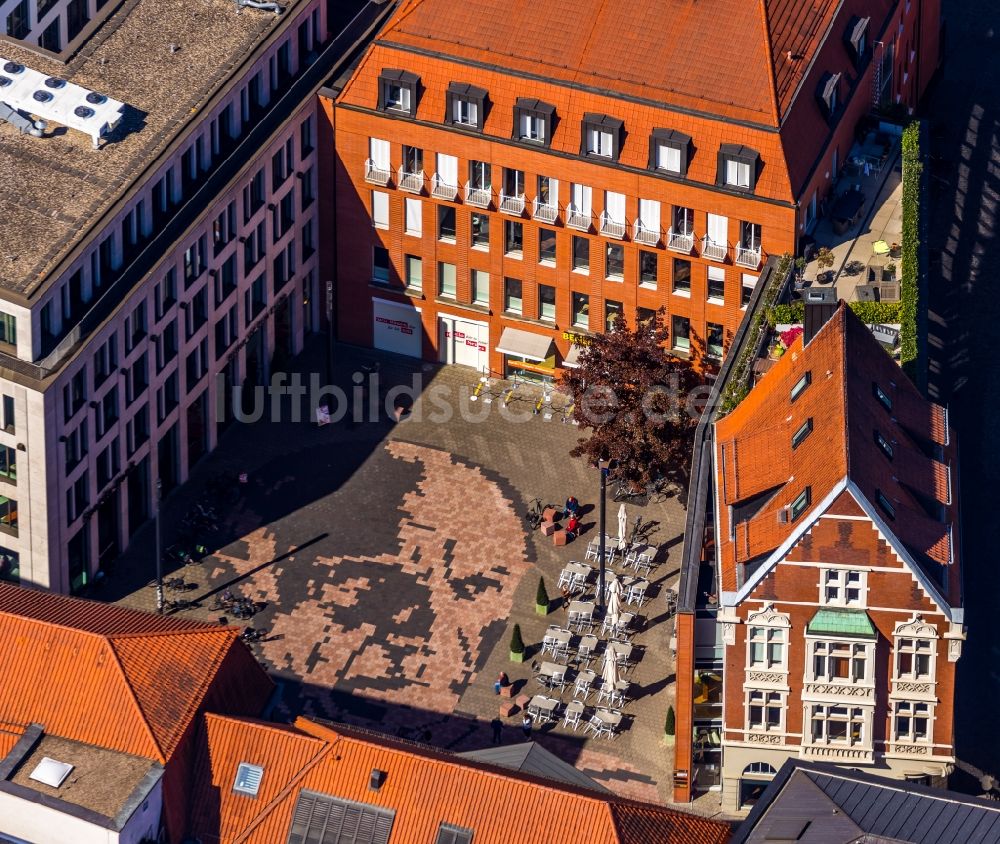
x: 711, y: 249
x: 611, y: 228
x: 411, y: 181
x: 748, y: 257
x: 642, y: 233
x: 512, y: 204
x: 375, y: 174
x: 680, y: 241
x: 576, y: 219
x: 832, y: 753
x: 545, y: 211
x: 480, y: 197
x: 442, y: 190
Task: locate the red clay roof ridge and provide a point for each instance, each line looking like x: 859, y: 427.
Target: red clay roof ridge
x: 135, y: 700
x: 772, y: 80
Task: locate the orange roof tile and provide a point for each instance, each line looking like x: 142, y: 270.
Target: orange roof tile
x: 424, y: 787
x: 108, y: 676
x: 754, y: 455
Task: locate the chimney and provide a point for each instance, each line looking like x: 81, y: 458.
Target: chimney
x: 821, y: 304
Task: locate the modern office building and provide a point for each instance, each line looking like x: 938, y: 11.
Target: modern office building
x: 158, y: 236
x: 507, y: 182
x: 838, y: 570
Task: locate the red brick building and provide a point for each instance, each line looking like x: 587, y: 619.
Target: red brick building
x: 840, y: 597
x: 509, y: 177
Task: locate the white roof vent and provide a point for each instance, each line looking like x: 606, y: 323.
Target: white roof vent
x: 51, y: 772
x: 248, y: 779
x: 51, y: 98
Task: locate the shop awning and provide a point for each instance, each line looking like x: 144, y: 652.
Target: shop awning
x: 572, y: 359
x: 524, y: 344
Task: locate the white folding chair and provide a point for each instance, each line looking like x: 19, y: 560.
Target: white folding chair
x: 593, y: 551
x: 584, y: 683
x: 571, y: 717
x: 637, y: 593
x: 566, y: 579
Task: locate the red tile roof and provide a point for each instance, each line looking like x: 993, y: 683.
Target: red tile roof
x: 755, y: 457
x: 113, y: 677
x: 423, y: 787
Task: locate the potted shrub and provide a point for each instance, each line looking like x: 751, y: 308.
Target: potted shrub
x: 670, y: 725
x: 824, y: 260
x: 542, y: 598
x: 889, y: 272
x: 516, y: 645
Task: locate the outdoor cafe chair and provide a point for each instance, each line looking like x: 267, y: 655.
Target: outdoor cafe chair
x: 566, y: 579
x: 593, y: 551
x: 637, y: 593
x: 584, y: 683
x: 585, y: 649
x: 571, y: 717
x: 644, y: 563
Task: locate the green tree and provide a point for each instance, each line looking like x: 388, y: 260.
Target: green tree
x: 632, y: 397
x: 542, y: 595
x: 516, y: 642
x: 670, y: 726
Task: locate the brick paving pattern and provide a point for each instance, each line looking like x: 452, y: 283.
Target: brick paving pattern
x: 393, y: 560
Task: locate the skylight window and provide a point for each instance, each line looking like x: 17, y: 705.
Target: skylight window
x: 450, y: 834
x: 804, y: 431
x: 51, y: 772
x: 886, y: 505
x: 799, y: 504
x: 884, y: 444
x: 883, y: 397
x: 801, y: 385
x: 248, y: 779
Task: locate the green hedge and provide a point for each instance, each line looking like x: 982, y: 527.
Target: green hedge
x: 869, y: 312
x: 909, y: 285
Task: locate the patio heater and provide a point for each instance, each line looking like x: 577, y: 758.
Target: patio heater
x: 603, y: 465
x: 159, y: 552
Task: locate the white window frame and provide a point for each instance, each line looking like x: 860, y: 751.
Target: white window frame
x: 414, y: 217
x: 668, y: 158
x: 843, y: 588
x: 379, y: 152
x: 532, y: 127
x: 397, y: 97
x: 765, y: 699
x: 582, y: 197
x: 714, y: 274
x: 380, y: 209
x: 828, y: 712
x: 649, y: 214
x: 480, y: 284
x: 828, y: 649
x: 909, y: 709
x: 600, y: 142
x: 409, y: 261
x: 767, y: 637
x: 464, y: 112
x: 737, y: 173
x: 914, y: 646
x: 614, y: 206
x: 441, y: 275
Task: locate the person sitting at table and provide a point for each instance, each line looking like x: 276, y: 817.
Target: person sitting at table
x: 501, y: 682
x: 571, y: 508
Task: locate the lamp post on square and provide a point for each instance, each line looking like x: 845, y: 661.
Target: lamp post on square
x: 603, y: 466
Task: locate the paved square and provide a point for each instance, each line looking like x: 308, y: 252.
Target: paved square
x: 394, y: 560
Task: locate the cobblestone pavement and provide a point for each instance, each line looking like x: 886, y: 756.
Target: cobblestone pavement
x: 394, y: 561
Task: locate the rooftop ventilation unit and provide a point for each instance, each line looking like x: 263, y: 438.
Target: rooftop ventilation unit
x: 23, y: 124
x: 248, y: 779
x: 28, y: 92
x: 261, y: 5
x: 50, y: 772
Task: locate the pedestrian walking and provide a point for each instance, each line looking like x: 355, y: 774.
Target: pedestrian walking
x: 497, y: 726
x: 526, y: 725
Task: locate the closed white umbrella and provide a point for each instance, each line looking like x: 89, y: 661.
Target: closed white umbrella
x: 614, y: 602
x: 622, y: 525
x: 609, y: 674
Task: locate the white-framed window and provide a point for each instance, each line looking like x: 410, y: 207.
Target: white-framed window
x: 838, y: 725
x: 378, y: 152
x: 843, y: 587
x: 464, y: 112
x: 765, y: 711
x: 481, y: 287
x: 718, y: 229
x: 614, y: 205
x: 849, y: 663
x: 447, y: 169
x: 380, y: 209
x: 532, y: 127
x: 717, y: 285
x: 582, y: 198
x: 914, y: 658
x: 766, y: 647
x: 397, y: 97
x: 649, y: 215
x: 600, y: 143
x: 737, y: 173
x: 380, y: 265
x: 668, y: 158
x: 414, y: 273
x: 748, y: 283
x: 414, y: 217
x: 446, y: 280
x: 911, y: 721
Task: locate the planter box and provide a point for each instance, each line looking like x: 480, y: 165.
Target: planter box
x: 517, y: 657
x: 542, y: 609
x: 550, y: 514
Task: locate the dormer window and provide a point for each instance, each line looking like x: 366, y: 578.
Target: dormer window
x: 397, y: 91
x: 857, y: 39
x: 602, y: 136
x: 534, y: 121
x: 466, y: 106
x: 669, y: 151
x: 828, y: 95
x: 738, y: 167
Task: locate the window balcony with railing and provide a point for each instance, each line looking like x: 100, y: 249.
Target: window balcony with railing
x: 680, y: 241
x: 375, y: 174
x: 748, y: 256
x: 611, y: 228
x: 641, y: 233
x: 442, y: 190
x: 576, y: 219
x: 545, y: 211
x: 712, y: 250
x: 412, y: 181
x: 480, y: 197
x: 512, y: 204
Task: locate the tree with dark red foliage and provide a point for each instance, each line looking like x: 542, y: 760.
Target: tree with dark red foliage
x: 633, y: 398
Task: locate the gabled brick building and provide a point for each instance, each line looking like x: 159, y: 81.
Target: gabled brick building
x: 839, y: 578
x: 510, y: 177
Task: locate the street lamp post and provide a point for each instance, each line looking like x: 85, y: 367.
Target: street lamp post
x: 603, y: 466
x: 159, y: 552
